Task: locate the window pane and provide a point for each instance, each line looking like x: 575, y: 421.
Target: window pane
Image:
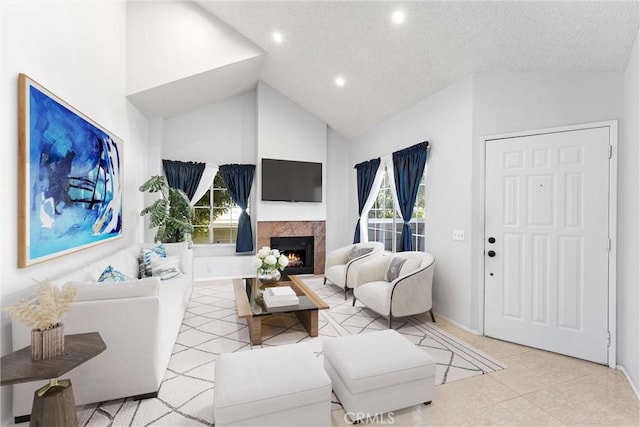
x: 380, y: 217
x: 394, y: 228
x: 221, y: 235
x: 201, y: 216
x: 387, y: 233
x: 385, y: 225
x: 204, y: 200
x: 419, y: 235
x: 200, y: 235
x: 217, y: 205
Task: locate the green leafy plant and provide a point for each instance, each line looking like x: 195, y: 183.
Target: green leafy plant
x: 172, y: 214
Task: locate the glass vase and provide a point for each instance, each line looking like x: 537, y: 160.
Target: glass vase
x: 269, y: 276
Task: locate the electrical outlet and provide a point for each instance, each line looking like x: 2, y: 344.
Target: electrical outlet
x: 458, y: 235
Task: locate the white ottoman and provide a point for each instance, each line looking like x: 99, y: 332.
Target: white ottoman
x: 279, y: 386
x: 378, y: 372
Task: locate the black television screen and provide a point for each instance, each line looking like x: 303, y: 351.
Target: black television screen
x: 291, y: 181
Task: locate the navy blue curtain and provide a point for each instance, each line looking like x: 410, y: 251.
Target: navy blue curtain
x: 184, y: 176
x: 238, y: 179
x: 366, y: 174
x: 408, y: 167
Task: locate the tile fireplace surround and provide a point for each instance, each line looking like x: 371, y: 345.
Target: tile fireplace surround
x: 268, y: 229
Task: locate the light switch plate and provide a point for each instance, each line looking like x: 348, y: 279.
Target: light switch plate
x: 458, y: 235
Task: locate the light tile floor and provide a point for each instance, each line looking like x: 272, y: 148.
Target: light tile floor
x: 538, y: 388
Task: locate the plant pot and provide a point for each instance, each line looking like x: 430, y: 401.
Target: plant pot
x: 48, y: 343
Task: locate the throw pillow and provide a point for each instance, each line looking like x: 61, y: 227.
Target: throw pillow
x: 147, y: 256
x: 357, y: 252
x: 166, y: 268
x: 410, y: 266
x: 110, y: 274
x: 393, y: 272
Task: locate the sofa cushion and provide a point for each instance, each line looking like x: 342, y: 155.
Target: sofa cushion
x: 393, y: 272
x: 110, y: 274
x: 82, y: 275
x: 91, y: 291
x: 410, y: 265
x: 124, y: 261
x: 184, y: 251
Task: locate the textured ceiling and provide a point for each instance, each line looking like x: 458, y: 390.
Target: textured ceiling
x: 390, y: 67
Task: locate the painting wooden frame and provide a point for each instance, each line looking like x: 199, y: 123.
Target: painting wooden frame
x: 70, y: 177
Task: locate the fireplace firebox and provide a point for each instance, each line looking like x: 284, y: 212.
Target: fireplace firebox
x: 299, y: 250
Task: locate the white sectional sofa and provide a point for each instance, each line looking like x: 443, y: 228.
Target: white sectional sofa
x: 138, y: 320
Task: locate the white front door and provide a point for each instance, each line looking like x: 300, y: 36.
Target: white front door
x: 547, y: 241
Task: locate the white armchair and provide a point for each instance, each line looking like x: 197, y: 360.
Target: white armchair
x: 396, y: 285
x: 341, y: 264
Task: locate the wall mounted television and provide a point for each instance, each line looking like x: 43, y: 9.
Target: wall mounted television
x: 291, y: 181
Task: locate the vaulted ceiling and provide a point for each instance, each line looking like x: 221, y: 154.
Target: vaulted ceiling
x: 388, y: 67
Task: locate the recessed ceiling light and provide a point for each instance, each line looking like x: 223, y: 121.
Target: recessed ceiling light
x: 398, y: 17
x: 340, y: 81
x: 277, y: 37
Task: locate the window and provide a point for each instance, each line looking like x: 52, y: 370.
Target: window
x: 385, y: 225
x: 216, y: 216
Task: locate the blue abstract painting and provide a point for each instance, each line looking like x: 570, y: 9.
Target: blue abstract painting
x: 71, y: 168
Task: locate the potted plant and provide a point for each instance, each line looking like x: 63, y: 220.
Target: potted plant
x: 172, y: 214
x: 43, y: 312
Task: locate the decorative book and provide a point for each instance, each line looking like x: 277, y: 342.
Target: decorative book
x: 280, y: 292
x: 280, y: 296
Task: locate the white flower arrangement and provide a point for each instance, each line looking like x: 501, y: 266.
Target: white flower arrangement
x: 268, y: 260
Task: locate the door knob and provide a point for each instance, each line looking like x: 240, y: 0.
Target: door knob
x: 492, y: 239
x: 491, y: 254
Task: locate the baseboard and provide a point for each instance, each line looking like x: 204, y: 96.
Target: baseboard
x: 453, y: 322
x: 152, y: 395
x: 629, y: 380
x: 22, y: 419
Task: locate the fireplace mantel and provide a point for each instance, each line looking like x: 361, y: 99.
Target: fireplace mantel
x: 268, y: 229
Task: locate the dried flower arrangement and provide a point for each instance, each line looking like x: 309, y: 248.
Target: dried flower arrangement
x: 45, y: 309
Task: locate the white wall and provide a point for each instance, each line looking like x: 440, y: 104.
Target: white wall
x: 444, y: 120
x: 339, y: 230
x: 222, y: 133
x: 289, y: 132
x: 185, y: 41
x: 153, y: 152
x: 76, y: 50
x: 628, y: 215
x: 507, y: 102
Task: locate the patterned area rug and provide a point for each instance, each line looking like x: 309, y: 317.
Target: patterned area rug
x: 211, y: 328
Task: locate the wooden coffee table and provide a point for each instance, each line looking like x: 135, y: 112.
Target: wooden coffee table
x: 306, y: 311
